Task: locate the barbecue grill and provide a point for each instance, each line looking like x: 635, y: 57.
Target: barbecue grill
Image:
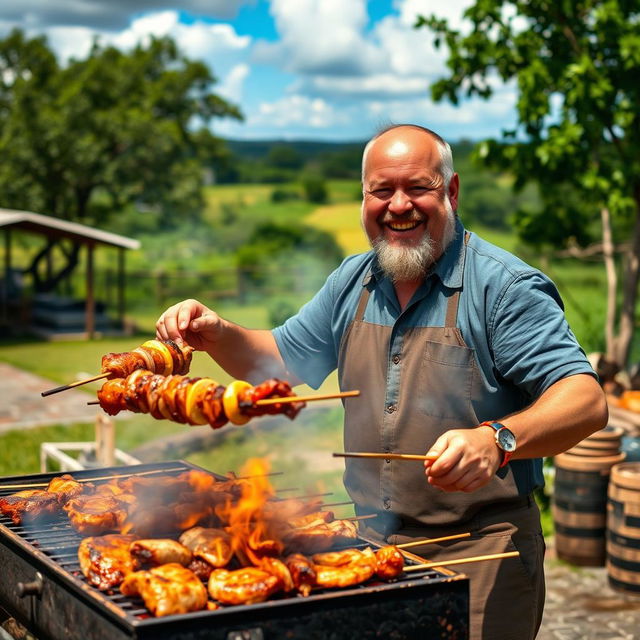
x: 41, y: 585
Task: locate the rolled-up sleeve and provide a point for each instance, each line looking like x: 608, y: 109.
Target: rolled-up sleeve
x: 306, y: 340
x: 532, y: 342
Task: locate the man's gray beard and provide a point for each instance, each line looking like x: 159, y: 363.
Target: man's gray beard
x: 408, y: 264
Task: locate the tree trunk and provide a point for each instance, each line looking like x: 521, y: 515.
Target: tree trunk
x: 612, y: 284
x: 623, y: 341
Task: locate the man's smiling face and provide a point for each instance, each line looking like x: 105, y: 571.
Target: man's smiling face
x: 405, y: 205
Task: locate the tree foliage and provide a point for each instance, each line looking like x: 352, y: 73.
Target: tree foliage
x: 81, y: 141
x: 574, y: 64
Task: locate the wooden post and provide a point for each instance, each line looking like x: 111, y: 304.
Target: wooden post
x: 105, y: 440
x: 90, y: 307
x: 7, y: 276
x: 121, y: 286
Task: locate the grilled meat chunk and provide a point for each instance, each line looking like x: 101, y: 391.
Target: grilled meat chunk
x: 166, y: 590
x: 29, y: 505
x: 159, y: 551
x: 65, y: 487
x: 302, y: 572
x: 106, y: 560
x: 96, y: 514
x: 211, y: 545
x: 243, y: 586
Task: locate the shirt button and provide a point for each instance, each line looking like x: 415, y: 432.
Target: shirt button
x: 396, y: 359
x: 387, y: 504
x: 391, y: 408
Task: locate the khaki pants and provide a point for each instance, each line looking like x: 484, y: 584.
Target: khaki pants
x: 506, y: 596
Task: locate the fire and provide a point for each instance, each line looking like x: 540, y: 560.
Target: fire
x: 254, y: 537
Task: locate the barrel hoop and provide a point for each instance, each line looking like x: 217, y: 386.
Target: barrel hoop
x: 619, y: 511
x: 627, y: 565
x: 571, y: 505
x: 624, y: 586
x: 579, y: 477
x: 583, y: 492
x: 623, y: 541
x: 581, y: 533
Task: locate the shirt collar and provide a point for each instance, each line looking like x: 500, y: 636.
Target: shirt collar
x: 449, y: 268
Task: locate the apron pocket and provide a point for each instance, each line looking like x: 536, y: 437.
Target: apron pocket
x: 446, y: 377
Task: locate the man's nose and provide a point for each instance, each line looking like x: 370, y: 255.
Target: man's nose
x: 400, y: 203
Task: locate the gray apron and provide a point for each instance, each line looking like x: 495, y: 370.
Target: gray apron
x: 438, y: 380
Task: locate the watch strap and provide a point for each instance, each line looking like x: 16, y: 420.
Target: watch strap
x: 496, y: 426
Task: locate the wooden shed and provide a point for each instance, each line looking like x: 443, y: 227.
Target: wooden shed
x: 67, y: 246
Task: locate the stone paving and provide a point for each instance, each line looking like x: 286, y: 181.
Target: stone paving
x: 22, y: 406
x: 580, y: 605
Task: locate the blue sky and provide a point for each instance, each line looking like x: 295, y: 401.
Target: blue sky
x: 332, y: 70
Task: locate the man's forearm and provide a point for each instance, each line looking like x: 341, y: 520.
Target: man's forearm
x: 248, y: 354
x: 566, y: 413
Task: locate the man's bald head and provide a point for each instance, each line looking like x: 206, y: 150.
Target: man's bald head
x: 446, y: 157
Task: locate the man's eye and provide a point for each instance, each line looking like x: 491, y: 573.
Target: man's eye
x: 382, y: 193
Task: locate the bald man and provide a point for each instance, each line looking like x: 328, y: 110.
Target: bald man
x: 460, y: 350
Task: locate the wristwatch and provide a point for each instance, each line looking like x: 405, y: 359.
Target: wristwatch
x: 505, y: 440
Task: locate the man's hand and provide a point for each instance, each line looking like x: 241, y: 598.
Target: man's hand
x: 191, y: 322
x: 467, y: 459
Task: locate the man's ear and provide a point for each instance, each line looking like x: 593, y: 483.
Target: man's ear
x: 454, y: 189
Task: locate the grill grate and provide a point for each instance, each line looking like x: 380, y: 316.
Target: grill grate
x: 53, y: 545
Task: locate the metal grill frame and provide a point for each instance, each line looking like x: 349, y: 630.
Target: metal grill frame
x: 68, y: 607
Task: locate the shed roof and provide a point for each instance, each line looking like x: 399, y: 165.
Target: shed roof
x: 47, y: 225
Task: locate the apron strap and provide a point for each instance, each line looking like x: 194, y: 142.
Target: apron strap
x: 364, y: 298
x: 454, y: 300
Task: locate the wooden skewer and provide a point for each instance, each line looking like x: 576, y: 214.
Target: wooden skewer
x: 355, y: 518
x: 71, y: 385
x: 336, y: 504
x: 386, y: 456
x: 267, y: 401
x: 418, y: 543
x: 112, y: 477
x: 326, y: 396
x: 447, y: 563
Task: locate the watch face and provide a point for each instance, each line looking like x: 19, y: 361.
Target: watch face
x: 506, y: 440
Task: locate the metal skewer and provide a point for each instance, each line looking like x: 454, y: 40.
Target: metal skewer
x: 384, y: 456
x: 71, y: 385
x: 447, y: 563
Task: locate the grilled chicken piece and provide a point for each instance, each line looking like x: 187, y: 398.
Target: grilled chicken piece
x: 302, y: 572
x: 29, y: 505
x: 166, y: 590
x: 243, y: 586
x: 159, y: 551
x: 320, y: 536
x: 211, y: 545
x: 344, y: 568
x: 96, y: 514
x: 65, y: 487
x: 389, y: 562
x: 105, y: 560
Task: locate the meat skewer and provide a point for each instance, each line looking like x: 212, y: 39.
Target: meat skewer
x: 197, y: 401
x: 163, y: 357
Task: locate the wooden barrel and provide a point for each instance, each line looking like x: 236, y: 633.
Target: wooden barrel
x: 623, y: 528
x: 579, y: 507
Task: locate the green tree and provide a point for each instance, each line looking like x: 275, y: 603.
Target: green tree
x: 82, y: 141
x: 575, y: 64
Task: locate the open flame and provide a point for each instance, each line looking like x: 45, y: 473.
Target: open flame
x: 253, y: 536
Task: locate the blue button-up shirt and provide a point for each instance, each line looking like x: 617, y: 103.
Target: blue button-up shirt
x: 510, y: 314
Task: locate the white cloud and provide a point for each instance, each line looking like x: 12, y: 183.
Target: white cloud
x: 320, y: 37
x: 295, y: 110
x: 233, y: 83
